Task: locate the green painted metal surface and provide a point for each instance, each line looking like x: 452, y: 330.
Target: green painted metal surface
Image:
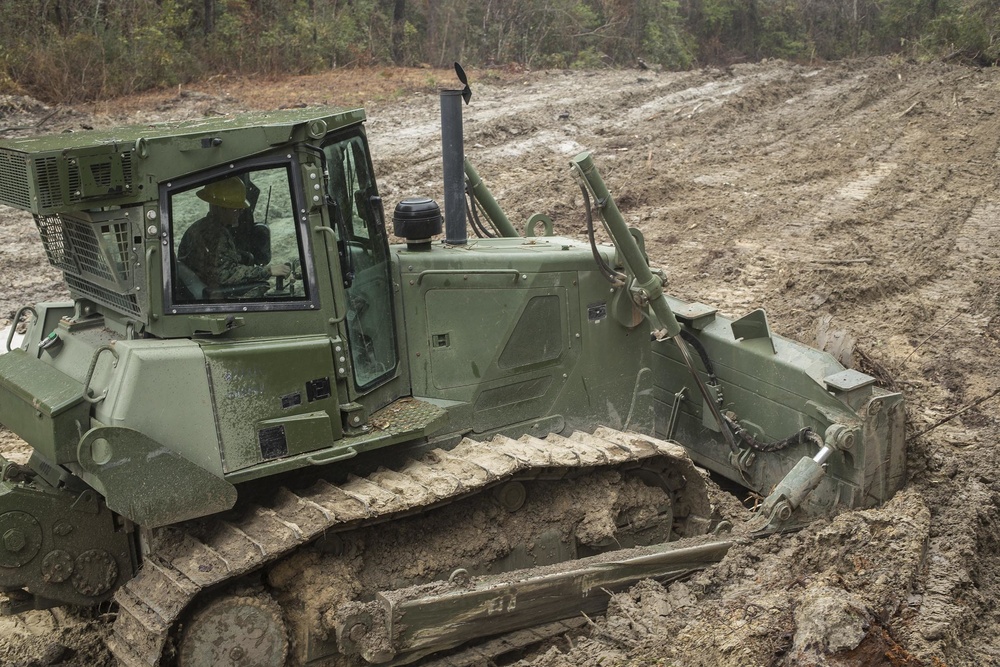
x: 516, y: 330
x: 42, y: 405
x: 778, y: 388
x: 272, y: 398
x: 146, y: 482
x: 65, y: 545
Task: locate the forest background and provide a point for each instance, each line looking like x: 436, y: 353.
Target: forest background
x: 75, y: 50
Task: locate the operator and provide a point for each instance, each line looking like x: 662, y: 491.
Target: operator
x: 209, y: 248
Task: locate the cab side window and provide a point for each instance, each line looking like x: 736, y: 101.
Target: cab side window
x: 234, y: 239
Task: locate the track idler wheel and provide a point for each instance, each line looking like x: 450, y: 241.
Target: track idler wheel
x: 235, y: 630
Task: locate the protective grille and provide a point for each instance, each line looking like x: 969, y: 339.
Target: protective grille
x: 14, y: 177
x: 73, y: 181
x: 127, y: 167
x: 94, y: 246
x: 50, y: 228
x: 94, y: 257
x: 126, y: 303
x: 49, y: 193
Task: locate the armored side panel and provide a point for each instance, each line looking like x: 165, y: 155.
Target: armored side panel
x: 273, y: 398
x: 515, y: 335
x: 778, y: 387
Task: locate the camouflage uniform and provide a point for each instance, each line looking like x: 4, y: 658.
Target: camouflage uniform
x: 209, y: 249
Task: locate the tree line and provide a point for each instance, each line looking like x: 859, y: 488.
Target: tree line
x: 68, y: 50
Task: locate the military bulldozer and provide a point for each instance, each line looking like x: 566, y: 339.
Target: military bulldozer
x: 266, y: 435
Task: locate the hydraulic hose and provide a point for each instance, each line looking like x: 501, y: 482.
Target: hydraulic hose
x: 480, y: 193
x: 477, y: 225
x: 706, y: 361
x: 647, y: 285
x: 739, y: 432
x: 757, y: 445
x: 613, y: 277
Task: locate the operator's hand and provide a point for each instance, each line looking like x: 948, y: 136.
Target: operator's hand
x: 282, y: 270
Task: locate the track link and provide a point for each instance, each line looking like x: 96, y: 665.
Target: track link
x: 485, y: 652
x: 195, y: 556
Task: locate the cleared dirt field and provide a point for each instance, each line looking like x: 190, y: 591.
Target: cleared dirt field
x: 858, y: 199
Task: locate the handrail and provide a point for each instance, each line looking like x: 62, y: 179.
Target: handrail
x: 17, y: 318
x: 90, y: 374
x: 465, y: 272
x: 332, y: 233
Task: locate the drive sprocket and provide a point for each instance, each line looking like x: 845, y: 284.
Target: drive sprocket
x: 235, y: 630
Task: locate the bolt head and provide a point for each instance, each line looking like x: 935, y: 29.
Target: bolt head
x: 358, y: 632
x: 14, y: 540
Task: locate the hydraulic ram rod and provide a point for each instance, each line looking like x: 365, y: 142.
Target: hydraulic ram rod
x: 646, y: 284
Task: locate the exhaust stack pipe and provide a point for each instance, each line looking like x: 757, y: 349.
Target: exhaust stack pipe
x: 453, y: 158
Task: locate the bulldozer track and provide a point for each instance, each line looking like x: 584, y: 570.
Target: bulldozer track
x: 207, y: 553
x: 483, y: 653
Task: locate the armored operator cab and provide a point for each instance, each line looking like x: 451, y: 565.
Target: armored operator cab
x: 251, y: 381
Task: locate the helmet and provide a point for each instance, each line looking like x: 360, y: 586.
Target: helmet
x: 228, y: 193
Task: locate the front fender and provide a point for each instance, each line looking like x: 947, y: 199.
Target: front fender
x: 147, y: 482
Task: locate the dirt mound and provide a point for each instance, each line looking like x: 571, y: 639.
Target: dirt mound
x: 815, y: 597
x: 858, y: 201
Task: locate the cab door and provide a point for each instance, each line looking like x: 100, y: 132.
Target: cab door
x: 366, y: 269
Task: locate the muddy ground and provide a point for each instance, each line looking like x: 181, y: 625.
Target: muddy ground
x: 855, y: 197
